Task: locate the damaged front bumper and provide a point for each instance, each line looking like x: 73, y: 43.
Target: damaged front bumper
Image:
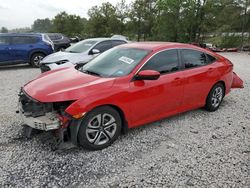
x: 237, y: 81
x: 45, y: 123
x: 37, y: 115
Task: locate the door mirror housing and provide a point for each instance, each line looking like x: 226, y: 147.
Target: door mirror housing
x: 147, y: 75
x: 95, y: 51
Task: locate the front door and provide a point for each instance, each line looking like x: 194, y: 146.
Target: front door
x: 154, y: 99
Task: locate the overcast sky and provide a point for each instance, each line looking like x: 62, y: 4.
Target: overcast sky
x: 22, y: 13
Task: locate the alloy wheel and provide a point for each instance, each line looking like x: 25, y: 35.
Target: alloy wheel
x: 101, y: 128
x: 37, y: 60
x: 217, y: 97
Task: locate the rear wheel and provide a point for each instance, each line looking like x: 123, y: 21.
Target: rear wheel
x: 215, y: 97
x: 99, y: 128
x: 36, y: 59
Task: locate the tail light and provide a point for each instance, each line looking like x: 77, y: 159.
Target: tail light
x: 47, y: 40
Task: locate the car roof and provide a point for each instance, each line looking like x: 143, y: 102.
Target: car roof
x: 104, y: 39
x: 154, y: 46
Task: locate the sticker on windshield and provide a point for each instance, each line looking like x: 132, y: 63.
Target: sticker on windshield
x: 126, y: 60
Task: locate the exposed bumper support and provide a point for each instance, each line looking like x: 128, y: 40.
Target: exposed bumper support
x: 45, y: 123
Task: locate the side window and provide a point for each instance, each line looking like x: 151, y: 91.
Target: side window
x: 163, y: 62
x: 30, y: 40
x: 4, y: 40
x: 118, y: 42
x: 18, y: 40
x: 210, y: 59
x: 103, y: 46
x: 24, y: 40
x: 193, y: 58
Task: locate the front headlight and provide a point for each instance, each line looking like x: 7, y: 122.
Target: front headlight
x: 62, y: 62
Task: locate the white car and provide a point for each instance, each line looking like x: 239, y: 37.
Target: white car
x: 79, y: 53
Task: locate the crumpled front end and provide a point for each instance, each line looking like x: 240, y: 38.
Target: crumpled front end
x: 37, y: 115
x: 44, y: 117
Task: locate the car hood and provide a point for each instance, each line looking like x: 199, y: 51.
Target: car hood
x: 71, y: 57
x: 65, y: 84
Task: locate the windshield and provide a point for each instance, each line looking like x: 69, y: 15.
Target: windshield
x: 116, y: 62
x: 82, y: 46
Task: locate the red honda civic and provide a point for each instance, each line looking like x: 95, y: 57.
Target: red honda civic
x: 125, y: 87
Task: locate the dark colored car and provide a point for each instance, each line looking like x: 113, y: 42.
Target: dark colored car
x: 24, y: 48
x: 60, y: 41
x: 125, y: 87
x: 246, y: 48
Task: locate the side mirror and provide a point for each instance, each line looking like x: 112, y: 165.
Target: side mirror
x: 147, y: 75
x: 95, y: 51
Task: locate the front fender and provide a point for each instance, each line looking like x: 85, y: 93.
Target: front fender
x: 88, y: 103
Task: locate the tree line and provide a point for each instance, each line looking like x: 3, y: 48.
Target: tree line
x: 164, y: 20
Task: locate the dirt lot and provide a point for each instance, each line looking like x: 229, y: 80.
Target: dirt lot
x: 197, y: 148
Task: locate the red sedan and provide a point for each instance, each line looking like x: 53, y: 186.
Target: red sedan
x: 125, y: 87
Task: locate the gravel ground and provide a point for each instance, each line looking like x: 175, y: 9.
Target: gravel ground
x: 193, y: 149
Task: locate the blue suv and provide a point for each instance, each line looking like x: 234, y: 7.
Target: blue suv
x: 24, y: 48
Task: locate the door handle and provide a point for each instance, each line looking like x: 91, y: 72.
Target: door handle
x: 7, y: 48
x: 210, y: 69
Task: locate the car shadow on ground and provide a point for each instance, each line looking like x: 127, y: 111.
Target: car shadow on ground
x: 15, y: 67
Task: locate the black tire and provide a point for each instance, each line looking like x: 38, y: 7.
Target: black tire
x: 215, y: 97
x: 91, y: 136
x: 35, y: 59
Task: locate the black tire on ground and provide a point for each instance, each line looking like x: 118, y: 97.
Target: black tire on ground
x: 35, y: 59
x: 99, y: 128
x: 215, y: 97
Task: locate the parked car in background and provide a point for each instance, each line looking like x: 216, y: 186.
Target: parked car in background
x: 246, y: 48
x: 60, y: 41
x: 29, y: 48
x: 75, y: 39
x: 79, y: 53
x: 125, y: 87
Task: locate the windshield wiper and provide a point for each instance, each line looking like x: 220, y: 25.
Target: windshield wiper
x: 91, y: 72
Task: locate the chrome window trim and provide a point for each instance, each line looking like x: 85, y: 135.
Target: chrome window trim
x: 179, y: 56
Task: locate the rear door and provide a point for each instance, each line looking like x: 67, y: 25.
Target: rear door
x: 21, y: 46
x: 200, y: 74
x: 5, y: 53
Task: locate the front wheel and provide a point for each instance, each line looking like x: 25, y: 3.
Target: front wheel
x: 36, y: 59
x: 215, y: 97
x: 99, y: 128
